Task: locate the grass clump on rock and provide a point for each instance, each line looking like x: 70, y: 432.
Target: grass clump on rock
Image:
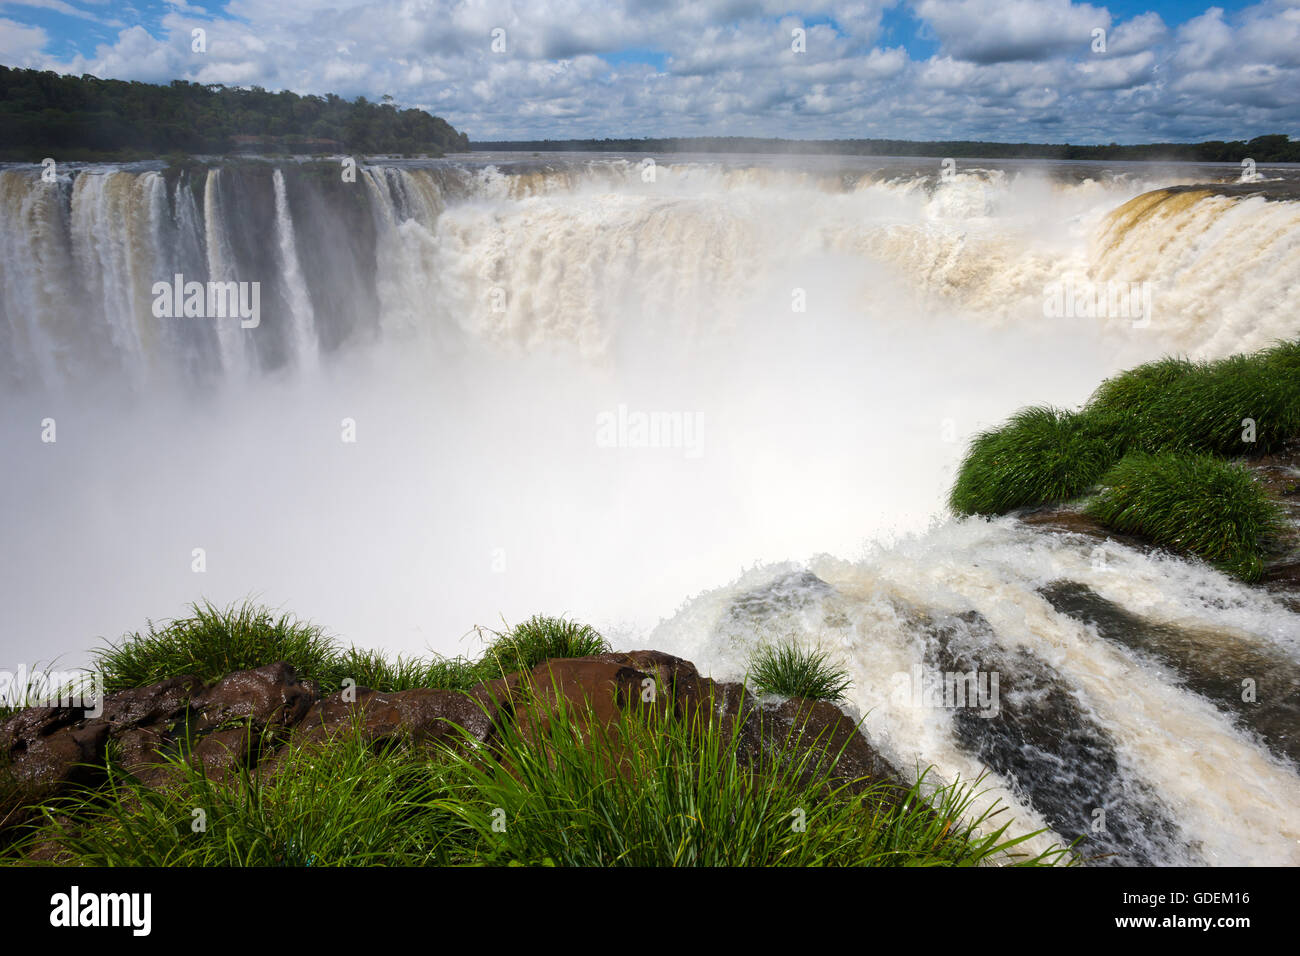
x: 1242, y: 405
x: 1195, y: 503
x: 212, y: 642
x: 1041, y: 455
x: 539, y: 639
x: 1151, y: 436
x: 653, y: 788
x: 332, y: 805
x: 791, y: 671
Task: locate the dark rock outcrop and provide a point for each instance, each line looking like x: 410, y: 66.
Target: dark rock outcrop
x: 245, y: 719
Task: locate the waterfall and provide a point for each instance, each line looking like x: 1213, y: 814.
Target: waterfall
x: 835, y: 333
x: 452, y: 248
x: 221, y: 268
x: 306, y: 344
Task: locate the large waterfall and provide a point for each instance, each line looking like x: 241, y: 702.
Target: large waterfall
x: 697, y: 403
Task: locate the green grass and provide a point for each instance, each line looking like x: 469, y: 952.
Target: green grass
x: 331, y: 805
x: 1237, y: 407
x: 1206, y: 407
x: 371, y: 668
x: 212, y: 642
x: 792, y: 671
x: 1193, y: 503
x: 539, y: 639
x: 1041, y: 455
x: 651, y: 789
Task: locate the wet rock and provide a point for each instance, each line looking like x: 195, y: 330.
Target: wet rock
x: 46, y: 750
x: 677, y: 681
x: 420, y: 715
x: 154, y: 704
x: 223, y: 752
x: 1209, y: 663
x: 590, y: 690
x: 267, y: 698
x: 139, y: 748
x: 1051, y: 748
x: 838, y: 747
x: 1068, y: 519
x: 42, y: 766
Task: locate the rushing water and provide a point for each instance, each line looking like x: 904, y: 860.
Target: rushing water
x: 701, y: 404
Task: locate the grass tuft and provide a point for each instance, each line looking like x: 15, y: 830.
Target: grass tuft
x: 1193, y: 503
x: 1041, y: 455
x: 212, y: 643
x: 792, y: 671
x: 657, y: 790
x: 538, y: 639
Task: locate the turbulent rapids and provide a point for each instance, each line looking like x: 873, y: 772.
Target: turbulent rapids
x: 604, y: 386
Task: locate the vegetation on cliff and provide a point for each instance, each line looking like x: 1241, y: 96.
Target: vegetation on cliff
x: 574, y: 763
x: 1194, y: 503
x: 1273, y: 148
x: 1151, y: 452
x: 793, y: 671
x: 212, y: 642
x: 86, y: 118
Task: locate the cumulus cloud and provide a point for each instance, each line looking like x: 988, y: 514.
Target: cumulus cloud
x: 998, y: 31
x: 500, y: 69
x: 21, y: 45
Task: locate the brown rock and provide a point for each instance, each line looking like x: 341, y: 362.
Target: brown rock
x: 269, y: 697
x: 835, y: 741
x: 154, y: 704
x: 42, y: 766
x: 609, y: 685
x: 424, y: 714
x: 33, y: 723
x: 222, y: 752
x: 500, y: 696
x: 420, y: 716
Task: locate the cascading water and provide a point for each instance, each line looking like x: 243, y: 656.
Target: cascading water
x: 442, y: 417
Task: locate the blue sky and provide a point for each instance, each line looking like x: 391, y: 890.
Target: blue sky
x: 933, y: 69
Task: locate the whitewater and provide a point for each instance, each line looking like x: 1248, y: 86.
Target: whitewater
x: 698, y: 402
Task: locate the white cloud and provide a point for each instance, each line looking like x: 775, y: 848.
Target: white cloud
x: 1136, y: 35
x: 20, y: 45
x: 998, y: 31
x: 1006, y: 69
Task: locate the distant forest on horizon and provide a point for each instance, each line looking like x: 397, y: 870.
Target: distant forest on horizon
x: 43, y: 113
x: 1273, y: 148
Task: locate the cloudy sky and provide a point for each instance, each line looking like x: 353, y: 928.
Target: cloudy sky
x: 1009, y: 70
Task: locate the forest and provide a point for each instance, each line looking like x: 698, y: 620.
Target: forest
x: 1274, y: 148
x: 43, y: 113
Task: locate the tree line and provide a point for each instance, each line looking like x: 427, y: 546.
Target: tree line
x: 43, y: 113
x: 1274, y: 148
